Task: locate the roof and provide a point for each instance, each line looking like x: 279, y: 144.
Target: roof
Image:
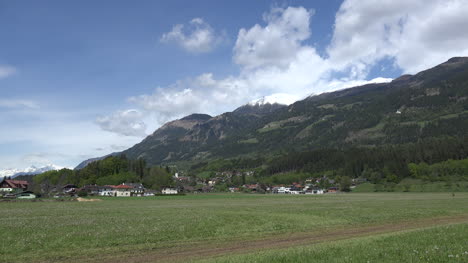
x: 16, y: 183
x: 135, y: 185
x: 122, y: 186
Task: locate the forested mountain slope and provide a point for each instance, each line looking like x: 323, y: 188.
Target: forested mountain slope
x: 432, y: 103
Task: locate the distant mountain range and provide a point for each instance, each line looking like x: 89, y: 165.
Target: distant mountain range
x: 28, y: 171
x: 432, y: 103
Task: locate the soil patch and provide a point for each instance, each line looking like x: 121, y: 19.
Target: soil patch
x: 79, y: 199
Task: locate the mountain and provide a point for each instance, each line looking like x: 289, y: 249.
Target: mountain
x: 186, y: 138
x: 260, y: 109
x: 84, y: 163
x: 430, y: 104
x: 33, y: 170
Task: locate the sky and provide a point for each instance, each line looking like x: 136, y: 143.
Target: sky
x: 80, y: 79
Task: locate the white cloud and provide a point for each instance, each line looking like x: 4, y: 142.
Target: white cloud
x: 126, y: 123
x: 196, y: 37
x: 417, y: 34
x: 6, y: 71
x: 276, y: 44
x: 14, y: 103
x: 203, y: 94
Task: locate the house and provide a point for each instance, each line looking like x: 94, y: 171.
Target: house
x: 137, y: 190
x: 106, y: 190
x: 90, y: 189
x: 332, y: 189
x: 281, y: 190
x: 69, y: 189
x: 169, y: 191
x: 313, y: 191
x: 13, y: 186
x: 122, y: 190
x: 211, y: 182
x: 26, y: 195
x: 295, y: 190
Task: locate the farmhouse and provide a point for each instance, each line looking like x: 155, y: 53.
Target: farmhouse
x: 122, y: 190
x: 13, y: 186
x: 137, y: 189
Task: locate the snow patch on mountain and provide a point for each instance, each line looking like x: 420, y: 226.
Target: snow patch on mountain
x: 339, y: 85
x: 278, y: 98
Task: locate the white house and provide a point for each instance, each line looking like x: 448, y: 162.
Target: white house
x: 169, y: 191
x: 211, y: 182
x: 137, y: 189
x: 314, y: 191
x: 123, y: 190
x: 282, y: 190
x: 106, y: 190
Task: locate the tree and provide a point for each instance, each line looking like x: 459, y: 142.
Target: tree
x: 158, y: 178
x: 345, y: 183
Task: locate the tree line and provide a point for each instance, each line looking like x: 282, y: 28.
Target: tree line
x: 112, y: 170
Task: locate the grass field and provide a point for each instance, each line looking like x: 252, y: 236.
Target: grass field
x: 206, y: 226
x: 437, y: 244
x: 414, y: 185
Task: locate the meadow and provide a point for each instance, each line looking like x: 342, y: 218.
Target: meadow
x: 237, y: 227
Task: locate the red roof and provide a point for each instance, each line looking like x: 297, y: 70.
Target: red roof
x: 16, y: 183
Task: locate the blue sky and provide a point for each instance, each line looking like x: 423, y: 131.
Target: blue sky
x: 80, y: 79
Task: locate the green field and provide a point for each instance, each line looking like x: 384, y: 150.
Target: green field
x: 239, y: 227
x: 438, y: 244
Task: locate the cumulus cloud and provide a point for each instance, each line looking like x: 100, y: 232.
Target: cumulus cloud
x: 14, y: 103
x: 126, y: 123
x: 416, y: 34
x: 196, y: 37
x: 277, y: 43
x: 6, y: 71
x: 201, y: 94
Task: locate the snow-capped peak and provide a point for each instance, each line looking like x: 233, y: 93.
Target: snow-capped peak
x: 279, y: 98
x: 28, y: 171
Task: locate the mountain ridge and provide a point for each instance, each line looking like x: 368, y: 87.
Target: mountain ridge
x: 32, y: 170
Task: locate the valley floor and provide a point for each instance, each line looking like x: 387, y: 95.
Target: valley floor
x: 240, y: 228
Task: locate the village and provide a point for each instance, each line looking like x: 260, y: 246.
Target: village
x: 21, y: 189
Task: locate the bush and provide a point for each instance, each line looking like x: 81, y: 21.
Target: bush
x: 82, y: 193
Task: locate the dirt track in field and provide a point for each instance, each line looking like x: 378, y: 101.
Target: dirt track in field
x: 198, y: 251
